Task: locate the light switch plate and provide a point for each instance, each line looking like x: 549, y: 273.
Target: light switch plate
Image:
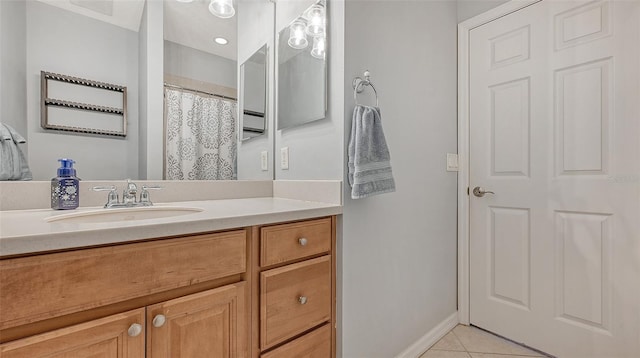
x: 264, y: 160
x: 284, y: 158
x: 452, y: 162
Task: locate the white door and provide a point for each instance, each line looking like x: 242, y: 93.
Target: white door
x: 554, y: 132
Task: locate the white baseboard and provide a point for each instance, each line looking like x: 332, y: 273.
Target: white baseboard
x: 432, y: 337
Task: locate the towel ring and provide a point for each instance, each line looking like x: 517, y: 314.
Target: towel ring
x: 359, y: 84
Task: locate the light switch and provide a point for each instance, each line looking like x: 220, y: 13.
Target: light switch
x: 452, y: 162
x: 284, y: 158
x: 264, y: 160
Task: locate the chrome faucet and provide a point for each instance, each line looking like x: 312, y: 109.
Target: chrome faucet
x: 128, y: 195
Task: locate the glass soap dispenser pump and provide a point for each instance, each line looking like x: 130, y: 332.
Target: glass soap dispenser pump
x: 65, y: 193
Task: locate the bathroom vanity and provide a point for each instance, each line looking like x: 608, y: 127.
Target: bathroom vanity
x: 262, y: 289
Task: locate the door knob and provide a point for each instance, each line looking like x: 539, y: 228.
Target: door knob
x: 159, y: 320
x: 479, y: 192
x: 134, y: 330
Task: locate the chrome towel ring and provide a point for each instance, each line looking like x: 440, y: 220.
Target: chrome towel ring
x: 359, y: 84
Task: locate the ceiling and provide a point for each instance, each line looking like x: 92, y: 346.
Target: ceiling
x: 188, y: 24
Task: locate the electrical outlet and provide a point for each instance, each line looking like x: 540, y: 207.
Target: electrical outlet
x: 284, y: 158
x: 452, y: 162
x: 264, y: 160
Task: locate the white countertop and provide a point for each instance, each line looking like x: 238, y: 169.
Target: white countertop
x: 27, y: 231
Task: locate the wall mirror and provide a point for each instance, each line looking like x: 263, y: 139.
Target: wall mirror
x: 253, y: 94
x: 301, y: 70
x: 111, y: 42
x: 200, y: 94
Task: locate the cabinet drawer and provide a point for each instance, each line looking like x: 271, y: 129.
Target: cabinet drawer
x: 47, y: 286
x: 316, y: 344
x: 104, y: 337
x: 293, y: 299
x: 287, y: 242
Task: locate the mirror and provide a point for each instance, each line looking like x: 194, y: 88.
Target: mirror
x: 253, y: 90
x: 301, y: 70
x: 200, y: 93
x: 120, y: 43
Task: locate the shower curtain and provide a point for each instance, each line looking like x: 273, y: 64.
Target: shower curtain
x: 200, y: 137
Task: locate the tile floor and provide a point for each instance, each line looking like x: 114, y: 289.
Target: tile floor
x: 471, y: 342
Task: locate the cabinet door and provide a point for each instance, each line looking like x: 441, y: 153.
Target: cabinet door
x: 208, y: 324
x: 110, y: 337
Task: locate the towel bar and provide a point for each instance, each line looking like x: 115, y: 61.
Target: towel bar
x: 359, y: 84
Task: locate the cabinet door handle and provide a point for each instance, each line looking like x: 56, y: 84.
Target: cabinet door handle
x: 159, y: 320
x: 134, y: 330
x: 303, y: 241
x: 302, y: 300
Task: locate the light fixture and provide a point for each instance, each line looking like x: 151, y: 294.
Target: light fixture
x: 185, y: 1
x: 315, y: 20
x: 222, y: 8
x: 221, y: 40
x: 318, y: 49
x: 297, y: 37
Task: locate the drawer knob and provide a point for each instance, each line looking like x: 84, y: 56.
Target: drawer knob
x: 302, y: 300
x: 134, y: 330
x: 303, y: 241
x: 159, y: 320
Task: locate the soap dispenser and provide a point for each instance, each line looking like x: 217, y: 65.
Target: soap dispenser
x: 65, y: 193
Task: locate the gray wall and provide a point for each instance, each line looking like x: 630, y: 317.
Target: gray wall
x: 187, y: 62
x: 470, y: 8
x: 399, y: 250
x: 13, y: 89
x: 90, y: 49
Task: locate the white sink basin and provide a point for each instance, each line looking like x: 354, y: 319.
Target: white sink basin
x: 122, y: 214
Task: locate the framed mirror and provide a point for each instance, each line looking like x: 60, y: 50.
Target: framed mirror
x: 253, y: 95
x: 302, y: 68
x: 150, y: 47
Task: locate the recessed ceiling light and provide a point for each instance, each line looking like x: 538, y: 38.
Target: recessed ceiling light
x: 184, y: 0
x: 221, y: 40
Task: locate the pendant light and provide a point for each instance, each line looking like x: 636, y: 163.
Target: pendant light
x: 222, y: 8
x: 315, y: 19
x: 297, y: 36
x: 318, y: 49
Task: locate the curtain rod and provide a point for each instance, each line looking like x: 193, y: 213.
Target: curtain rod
x: 169, y: 85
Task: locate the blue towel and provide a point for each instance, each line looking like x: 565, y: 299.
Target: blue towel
x: 13, y: 163
x: 369, y: 158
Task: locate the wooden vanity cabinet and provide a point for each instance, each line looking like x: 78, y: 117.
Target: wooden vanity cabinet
x: 296, y: 289
x: 181, y: 297
x: 263, y: 291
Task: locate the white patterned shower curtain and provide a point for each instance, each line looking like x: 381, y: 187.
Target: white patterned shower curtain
x: 200, y: 138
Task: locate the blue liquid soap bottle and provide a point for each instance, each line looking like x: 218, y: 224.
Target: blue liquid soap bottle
x: 65, y: 188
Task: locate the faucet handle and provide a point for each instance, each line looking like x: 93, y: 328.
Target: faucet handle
x: 144, y: 194
x: 112, y: 198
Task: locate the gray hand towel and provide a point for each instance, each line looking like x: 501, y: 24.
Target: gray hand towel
x: 13, y: 163
x: 369, y: 158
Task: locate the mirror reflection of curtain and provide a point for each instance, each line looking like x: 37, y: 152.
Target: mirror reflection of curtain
x: 200, y: 137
